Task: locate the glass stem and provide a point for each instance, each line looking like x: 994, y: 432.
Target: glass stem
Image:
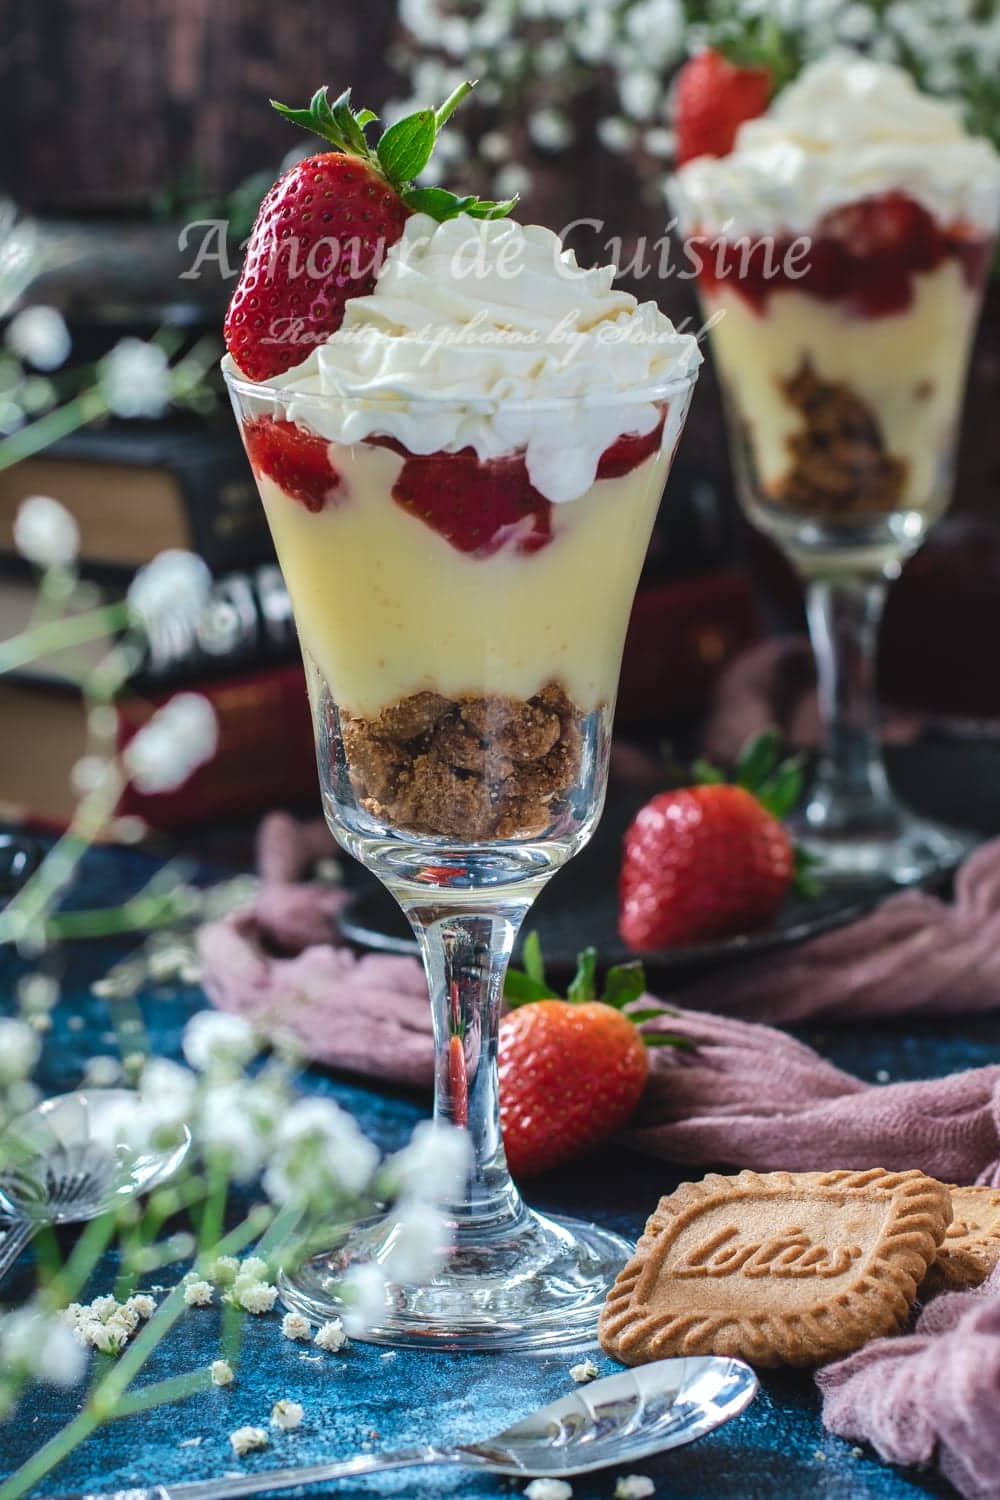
x: 465, y: 956
x: 851, y: 787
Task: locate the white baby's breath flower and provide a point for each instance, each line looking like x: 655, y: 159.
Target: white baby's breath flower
x: 215, y: 1040
x: 246, y: 1439
x: 417, y: 1244
x: 19, y: 1049
x: 494, y: 146
x: 143, y: 1305
x: 222, y: 1372
x: 174, y: 587
x: 255, y: 1296
x: 254, y: 1268
x: 40, y: 335
x: 634, y: 1487
x: 295, y: 1326
x: 615, y: 134
x: 286, y: 1415
x: 434, y: 1165
x: 641, y: 94
x: 166, y: 1100
x: 549, y: 1489
x: 180, y: 737
x: 46, y: 533
x: 106, y: 1338
x: 550, y: 130
x: 331, y: 1336
x: 102, y: 1072
x: 512, y: 179
x: 135, y: 379
x: 319, y: 1147
x: 43, y: 1344
x: 586, y: 1370
x: 89, y: 773
x: 199, y: 1294
x: 37, y: 993
x: 363, y: 1290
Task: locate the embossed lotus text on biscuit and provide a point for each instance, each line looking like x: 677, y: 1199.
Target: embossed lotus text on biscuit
x: 789, y: 1253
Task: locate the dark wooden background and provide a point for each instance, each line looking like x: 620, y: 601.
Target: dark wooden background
x: 105, y: 103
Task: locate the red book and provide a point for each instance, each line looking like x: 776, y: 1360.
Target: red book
x: 681, y: 635
x: 265, y: 758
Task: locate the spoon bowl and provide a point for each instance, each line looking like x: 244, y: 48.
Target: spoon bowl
x: 71, y: 1159
x: 621, y: 1419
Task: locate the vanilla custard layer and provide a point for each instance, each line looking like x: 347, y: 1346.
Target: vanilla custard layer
x: 386, y: 607
x: 908, y: 368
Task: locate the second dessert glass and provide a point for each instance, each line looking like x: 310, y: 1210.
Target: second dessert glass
x: 463, y: 638
x: 843, y: 385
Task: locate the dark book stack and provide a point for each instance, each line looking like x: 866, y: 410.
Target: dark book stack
x: 136, y: 490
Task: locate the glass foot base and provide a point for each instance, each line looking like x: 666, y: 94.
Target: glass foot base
x: 540, y: 1285
x: 898, y: 849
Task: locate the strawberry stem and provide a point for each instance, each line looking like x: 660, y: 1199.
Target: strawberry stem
x: 453, y: 100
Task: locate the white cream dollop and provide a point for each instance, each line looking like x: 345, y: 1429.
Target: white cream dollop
x: 487, y: 334
x: 847, y: 128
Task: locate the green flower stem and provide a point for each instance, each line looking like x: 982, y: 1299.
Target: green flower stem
x: 142, y: 914
x: 62, y: 634
x: 174, y: 1388
x: 105, y: 1401
x: 214, y: 1210
x: 86, y: 407
x: 57, y: 869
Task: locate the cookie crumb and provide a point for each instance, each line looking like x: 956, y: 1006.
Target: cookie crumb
x: 584, y: 1371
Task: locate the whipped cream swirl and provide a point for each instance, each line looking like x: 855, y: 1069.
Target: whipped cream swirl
x: 487, y: 334
x: 847, y: 128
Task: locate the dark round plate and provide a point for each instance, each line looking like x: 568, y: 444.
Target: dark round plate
x: 955, y: 780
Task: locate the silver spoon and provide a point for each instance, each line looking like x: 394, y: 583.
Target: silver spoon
x: 616, y: 1421
x: 69, y: 1160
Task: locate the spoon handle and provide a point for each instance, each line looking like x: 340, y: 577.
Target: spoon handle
x: 20, y: 1234
x: 231, y: 1486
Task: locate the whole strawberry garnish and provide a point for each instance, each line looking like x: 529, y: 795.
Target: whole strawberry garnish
x: 710, y: 861
x: 324, y: 228
x: 571, y: 1071
x: 712, y: 98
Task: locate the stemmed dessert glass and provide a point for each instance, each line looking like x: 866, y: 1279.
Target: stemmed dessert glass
x: 842, y: 372
x: 462, y: 639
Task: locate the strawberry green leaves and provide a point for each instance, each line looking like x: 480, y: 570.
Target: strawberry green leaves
x: 401, y: 152
x: 776, y: 784
x: 623, y: 985
x: 405, y: 148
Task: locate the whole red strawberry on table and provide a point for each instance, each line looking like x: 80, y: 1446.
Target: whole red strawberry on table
x: 571, y: 1070
x: 710, y: 861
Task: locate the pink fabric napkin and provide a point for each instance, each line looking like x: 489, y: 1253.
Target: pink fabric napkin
x: 932, y: 1396
x: 748, y: 1095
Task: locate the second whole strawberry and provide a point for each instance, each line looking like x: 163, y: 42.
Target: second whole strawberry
x: 571, y: 1070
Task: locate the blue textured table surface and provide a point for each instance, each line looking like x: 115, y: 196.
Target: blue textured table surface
x: 776, y: 1451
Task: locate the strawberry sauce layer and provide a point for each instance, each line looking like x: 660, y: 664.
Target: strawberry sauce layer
x: 865, y: 254
x: 478, y: 507
x: 297, y: 460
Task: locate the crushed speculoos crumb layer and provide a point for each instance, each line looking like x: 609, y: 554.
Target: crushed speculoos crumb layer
x: 470, y: 768
x: 840, y: 468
